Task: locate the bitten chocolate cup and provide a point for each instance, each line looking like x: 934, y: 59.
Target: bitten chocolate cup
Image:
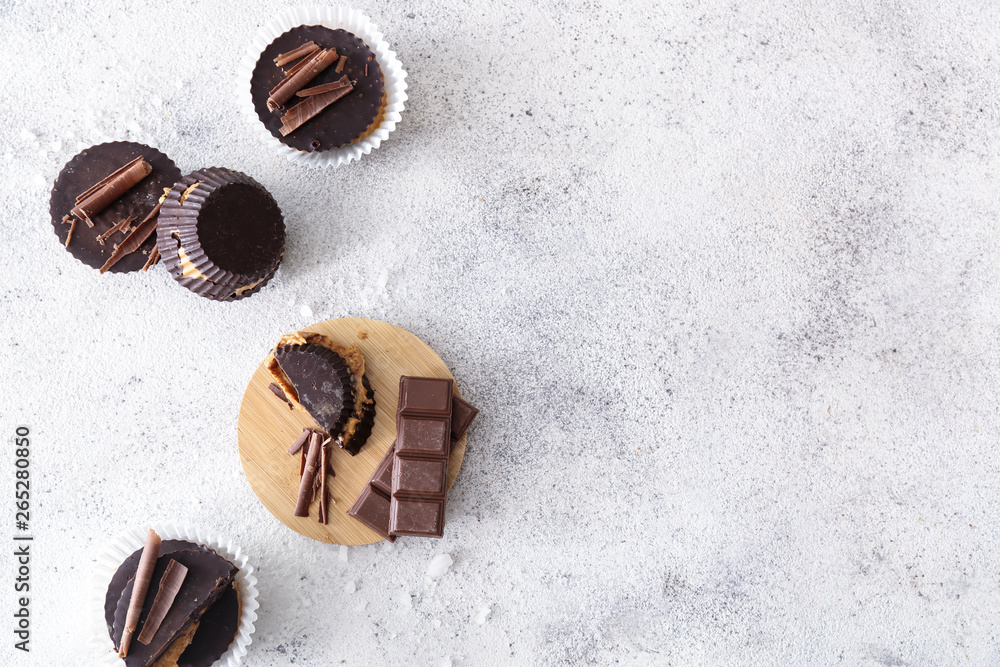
x: 221, y: 234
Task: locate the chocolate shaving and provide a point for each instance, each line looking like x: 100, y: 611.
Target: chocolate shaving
x: 294, y: 82
x: 147, y: 562
x: 170, y: 585
x: 306, y: 484
x: 295, y: 54
x: 308, y: 108
x: 154, y: 258
x: 342, y: 82
x: 118, y: 226
x: 296, y: 68
x: 322, y: 486
x: 301, y: 440
x: 135, y: 239
x: 100, y: 195
x: 277, y: 391
x: 72, y: 226
x: 302, y: 466
x: 340, y: 64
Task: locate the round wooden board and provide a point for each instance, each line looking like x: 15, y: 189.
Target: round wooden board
x: 267, y: 427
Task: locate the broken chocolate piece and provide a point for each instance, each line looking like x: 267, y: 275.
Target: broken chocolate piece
x: 295, y: 54
x: 170, y: 584
x: 309, y: 107
x: 137, y: 596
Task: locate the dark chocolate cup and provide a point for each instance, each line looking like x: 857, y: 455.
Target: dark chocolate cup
x: 344, y: 122
x: 221, y: 234
x: 337, y: 366
x: 87, y: 168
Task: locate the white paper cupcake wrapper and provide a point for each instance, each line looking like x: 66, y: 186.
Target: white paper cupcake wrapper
x: 125, y: 544
x: 354, y: 22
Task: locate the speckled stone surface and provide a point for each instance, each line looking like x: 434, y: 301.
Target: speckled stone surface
x: 722, y: 278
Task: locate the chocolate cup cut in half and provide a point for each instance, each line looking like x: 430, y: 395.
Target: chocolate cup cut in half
x: 88, y: 168
x: 217, y: 625
x: 328, y: 381
x: 350, y: 118
x: 221, y: 234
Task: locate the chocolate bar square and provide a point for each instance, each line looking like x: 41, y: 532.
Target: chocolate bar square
x: 426, y: 396
x: 372, y: 509
x: 382, y: 477
x: 423, y: 437
x: 420, y: 478
x: 420, y: 518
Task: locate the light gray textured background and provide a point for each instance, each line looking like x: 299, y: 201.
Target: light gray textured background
x: 722, y: 277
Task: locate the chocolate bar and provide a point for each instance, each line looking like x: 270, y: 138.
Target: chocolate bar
x: 372, y: 506
x: 420, y: 466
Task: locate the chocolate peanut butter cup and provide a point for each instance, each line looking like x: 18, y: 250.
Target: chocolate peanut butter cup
x: 221, y: 234
x: 328, y: 91
x: 104, y: 202
x: 328, y: 381
x: 197, y: 626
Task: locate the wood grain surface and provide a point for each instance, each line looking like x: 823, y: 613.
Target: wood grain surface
x: 267, y: 427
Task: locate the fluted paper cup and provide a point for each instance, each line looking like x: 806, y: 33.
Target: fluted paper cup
x: 353, y: 21
x: 122, y: 546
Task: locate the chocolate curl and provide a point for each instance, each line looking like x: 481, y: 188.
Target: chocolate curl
x: 99, y: 196
x: 301, y: 440
x: 302, y: 465
x: 72, y: 226
x: 308, y: 108
x: 170, y: 585
x: 296, y: 80
x: 295, y: 54
x: 340, y: 64
x: 322, y: 486
x: 308, y: 477
x: 132, y: 242
x: 147, y: 562
x: 154, y: 258
x: 295, y: 68
x: 342, y: 82
x: 118, y: 226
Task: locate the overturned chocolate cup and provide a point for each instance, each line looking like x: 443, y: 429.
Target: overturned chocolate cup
x: 94, y: 246
x: 221, y: 234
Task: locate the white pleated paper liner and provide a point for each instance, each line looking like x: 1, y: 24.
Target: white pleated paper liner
x: 353, y: 21
x: 122, y: 546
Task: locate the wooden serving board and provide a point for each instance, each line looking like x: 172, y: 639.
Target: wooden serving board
x: 267, y: 427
